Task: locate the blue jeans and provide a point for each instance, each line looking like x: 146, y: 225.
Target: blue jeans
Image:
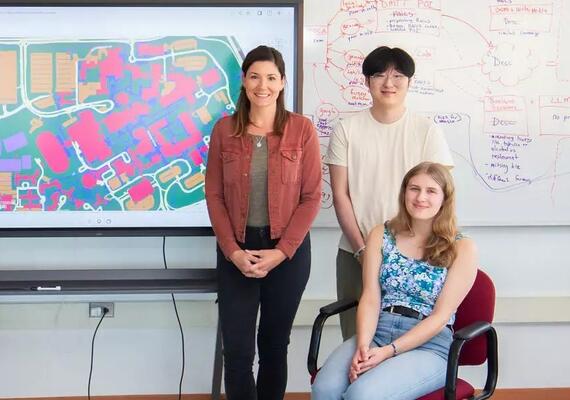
x: 407, y: 376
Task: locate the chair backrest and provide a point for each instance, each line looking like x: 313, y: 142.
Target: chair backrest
x: 478, y: 305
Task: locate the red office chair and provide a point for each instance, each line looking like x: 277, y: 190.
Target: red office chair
x: 469, y: 347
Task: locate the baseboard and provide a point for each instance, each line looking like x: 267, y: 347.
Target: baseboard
x: 500, y: 394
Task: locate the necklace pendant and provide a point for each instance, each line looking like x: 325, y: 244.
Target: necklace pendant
x: 258, y: 144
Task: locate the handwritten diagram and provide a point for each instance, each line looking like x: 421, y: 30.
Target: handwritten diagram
x: 495, y: 75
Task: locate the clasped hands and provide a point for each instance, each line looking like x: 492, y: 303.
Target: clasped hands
x: 366, y: 358
x: 257, y: 263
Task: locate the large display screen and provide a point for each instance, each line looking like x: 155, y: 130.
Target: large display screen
x: 106, y: 111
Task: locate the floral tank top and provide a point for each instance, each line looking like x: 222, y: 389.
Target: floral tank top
x: 409, y: 282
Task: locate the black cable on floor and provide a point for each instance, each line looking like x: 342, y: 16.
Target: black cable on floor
x: 179, y: 323
x: 105, y: 311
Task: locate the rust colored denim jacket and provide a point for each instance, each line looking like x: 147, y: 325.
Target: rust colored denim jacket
x: 294, y: 183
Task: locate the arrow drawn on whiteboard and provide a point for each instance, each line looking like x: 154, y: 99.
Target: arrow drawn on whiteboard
x: 489, y: 43
x: 315, y: 82
x: 556, y: 158
x: 342, y: 87
x: 329, y: 62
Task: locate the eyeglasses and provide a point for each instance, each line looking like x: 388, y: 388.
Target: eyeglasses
x: 396, y: 77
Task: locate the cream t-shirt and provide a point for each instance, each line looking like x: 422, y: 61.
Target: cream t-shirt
x: 378, y: 156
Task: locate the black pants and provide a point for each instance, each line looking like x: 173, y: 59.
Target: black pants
x: 278, y: 295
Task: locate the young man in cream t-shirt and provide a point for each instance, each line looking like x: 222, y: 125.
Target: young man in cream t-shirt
x: 368, y: 155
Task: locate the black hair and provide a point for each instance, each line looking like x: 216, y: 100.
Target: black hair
x: 384, y: 57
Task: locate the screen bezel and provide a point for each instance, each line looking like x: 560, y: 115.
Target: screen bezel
x: 297, y: 6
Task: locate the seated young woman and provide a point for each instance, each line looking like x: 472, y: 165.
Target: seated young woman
x: 417, y: 269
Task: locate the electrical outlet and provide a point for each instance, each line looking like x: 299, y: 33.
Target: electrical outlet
x: 96, y: 309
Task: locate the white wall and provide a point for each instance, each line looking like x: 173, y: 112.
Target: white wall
x: 48, y: 343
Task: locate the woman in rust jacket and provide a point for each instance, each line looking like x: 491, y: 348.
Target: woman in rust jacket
x: 263, y: 190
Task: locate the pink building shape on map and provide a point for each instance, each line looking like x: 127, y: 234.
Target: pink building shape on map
x: 86, y: 132
x: 53, y: 152
x: 141, y: 190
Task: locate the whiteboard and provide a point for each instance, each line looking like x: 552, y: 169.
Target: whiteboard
x: 494, y: 75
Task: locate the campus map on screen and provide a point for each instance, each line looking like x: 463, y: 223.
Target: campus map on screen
x: 104, y: 125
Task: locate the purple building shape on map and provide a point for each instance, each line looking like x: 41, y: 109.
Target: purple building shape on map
x: 15, y: 142
x: 15, y: 164
x: 26, y: 162
x: 10, y: 165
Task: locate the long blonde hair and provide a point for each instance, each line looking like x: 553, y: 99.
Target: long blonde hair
x: 440, y: 248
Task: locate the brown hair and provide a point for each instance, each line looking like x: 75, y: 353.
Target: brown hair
x: 440, y: 248
x: 241, y: 116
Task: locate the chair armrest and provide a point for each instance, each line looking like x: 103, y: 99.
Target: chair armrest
x: 324, y: 313
x: 462, y: 336
x: 337, y: 307
x: 471, y: 331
